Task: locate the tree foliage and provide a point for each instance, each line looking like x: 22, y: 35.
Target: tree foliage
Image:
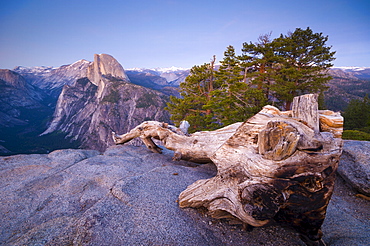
x: 234, y: 100
x: 259, y: 62
x: 269, y: 71
x: 304, y: 60
x: 195, y: 94
x: 357, y: 115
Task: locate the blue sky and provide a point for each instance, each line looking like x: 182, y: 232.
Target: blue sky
x: 164, y: 33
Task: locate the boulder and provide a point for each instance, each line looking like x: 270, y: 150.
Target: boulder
x: 354, y: 165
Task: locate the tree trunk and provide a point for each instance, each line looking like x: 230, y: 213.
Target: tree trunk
x: 275, y: 166
x: 196, y: 148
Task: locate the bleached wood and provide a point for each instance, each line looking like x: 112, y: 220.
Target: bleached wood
x: 331, y: 122
x: 275, y: 166
x: 196, y: 148
x: 306, y: 109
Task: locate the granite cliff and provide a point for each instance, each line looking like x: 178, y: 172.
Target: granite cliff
x: 15, y: 94
x: 104, y: 100
x: 76, y: 105
x: 23, y: 108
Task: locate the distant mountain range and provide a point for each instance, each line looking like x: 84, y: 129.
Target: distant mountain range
x: 348, y: 83
x: 357, y: 72
x: 172, y: 76
x: 51, y: 80
x: 166, y: 80
x: 78, y: 105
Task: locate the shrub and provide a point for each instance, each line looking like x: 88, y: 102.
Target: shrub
x: 355, y: 135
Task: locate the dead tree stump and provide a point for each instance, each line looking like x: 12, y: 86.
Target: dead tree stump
x: 275, y: 166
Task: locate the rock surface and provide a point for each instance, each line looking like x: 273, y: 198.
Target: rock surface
x: 89, y: 100
x: 22, y: 110
x: 355, y: 165
x: 16, y: 98
x: 104, y: 101
x: 127, y: 196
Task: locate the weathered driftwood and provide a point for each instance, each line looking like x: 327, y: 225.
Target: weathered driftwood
x: 275, y: 166
x: 198, y: 147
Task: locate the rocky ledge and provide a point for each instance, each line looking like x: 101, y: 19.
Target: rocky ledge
x: 355, y: 165
x: 128, y: 196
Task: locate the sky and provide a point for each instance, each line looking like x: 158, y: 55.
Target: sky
x: 165, y: 33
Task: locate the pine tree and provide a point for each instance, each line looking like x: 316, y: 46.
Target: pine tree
x: 304, y: 59
x: 195, y: 93
x: 258, y: 62
x: 269, y: 70
x: 235, y: 100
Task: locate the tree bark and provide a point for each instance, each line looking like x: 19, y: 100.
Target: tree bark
x: 275, y: 166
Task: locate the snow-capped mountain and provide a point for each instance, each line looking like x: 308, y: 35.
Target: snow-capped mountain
x: 52, y: 79
x: 352, y: 69
x: 159, y: 69
x: 354, y: 72
x: 172, y: 76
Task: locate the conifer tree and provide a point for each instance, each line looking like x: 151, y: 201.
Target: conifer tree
x: 235, y: 100
x: 304, y: 60
x: 195, y: 93
x: 259, y: 61
x: 269, y: 70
